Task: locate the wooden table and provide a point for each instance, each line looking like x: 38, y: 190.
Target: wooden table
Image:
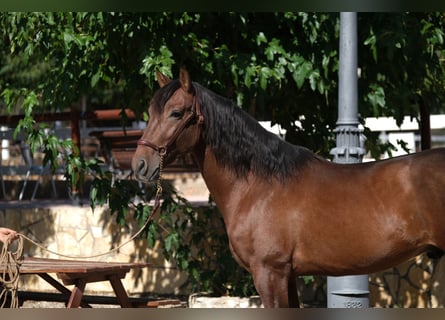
x: 79, y: 273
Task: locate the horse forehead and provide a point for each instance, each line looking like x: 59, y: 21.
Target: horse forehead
x: 180, y: 98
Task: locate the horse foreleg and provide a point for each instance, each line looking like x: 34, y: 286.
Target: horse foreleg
x: 276, y: 288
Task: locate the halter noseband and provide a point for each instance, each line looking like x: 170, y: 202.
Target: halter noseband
x: 195, y: 113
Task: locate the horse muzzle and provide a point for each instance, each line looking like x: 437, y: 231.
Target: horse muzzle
x: 144, y: 172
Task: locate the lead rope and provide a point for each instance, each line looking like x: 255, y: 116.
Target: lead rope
x: 10, y: 261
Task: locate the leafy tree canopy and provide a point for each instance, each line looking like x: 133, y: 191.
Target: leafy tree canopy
x: 278, y: 66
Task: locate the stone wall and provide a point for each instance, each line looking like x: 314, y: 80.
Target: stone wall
x: 419, y: 283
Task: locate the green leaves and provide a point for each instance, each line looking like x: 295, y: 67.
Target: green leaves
x: 101, y: 185
x: 301, y: 71
x: 371, y: 41
x: 161, y: 61
x: 274, y: 48
x: 376, y: 98
x: 171, y: 242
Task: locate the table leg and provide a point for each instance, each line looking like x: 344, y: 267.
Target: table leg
x: 56, y: 284
x: 76, y: 295
x: 121, y: 294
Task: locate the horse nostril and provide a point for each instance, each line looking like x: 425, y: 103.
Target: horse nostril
x: 142, y: 167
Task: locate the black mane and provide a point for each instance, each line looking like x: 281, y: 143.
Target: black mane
x: 238, y: 141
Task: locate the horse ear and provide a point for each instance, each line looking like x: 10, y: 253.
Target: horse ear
x: 162, y: 79
x: 184, y: 79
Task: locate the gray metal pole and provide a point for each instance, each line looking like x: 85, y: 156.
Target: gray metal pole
x: 348, y: 291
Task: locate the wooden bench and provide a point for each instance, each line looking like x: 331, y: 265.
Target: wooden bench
x: 79, y: 273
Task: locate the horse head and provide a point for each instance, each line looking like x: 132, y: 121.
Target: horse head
x: 174, y: 126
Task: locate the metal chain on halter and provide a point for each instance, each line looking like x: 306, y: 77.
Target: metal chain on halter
x: 162, y: 152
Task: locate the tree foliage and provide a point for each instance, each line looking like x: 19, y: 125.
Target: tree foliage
x: 278, y: 66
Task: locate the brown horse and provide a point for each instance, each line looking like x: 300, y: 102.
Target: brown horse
x: 287, y: 211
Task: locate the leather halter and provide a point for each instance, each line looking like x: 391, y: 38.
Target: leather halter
x: 195, y: 113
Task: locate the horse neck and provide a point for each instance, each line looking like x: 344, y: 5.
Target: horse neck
x: 224, y: 186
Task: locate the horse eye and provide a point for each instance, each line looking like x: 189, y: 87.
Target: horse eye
x: 176, y: 114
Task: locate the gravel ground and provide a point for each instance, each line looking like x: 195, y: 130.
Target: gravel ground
x: 193, y: 301
x: 58, y: 305
x: 61, y: 305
